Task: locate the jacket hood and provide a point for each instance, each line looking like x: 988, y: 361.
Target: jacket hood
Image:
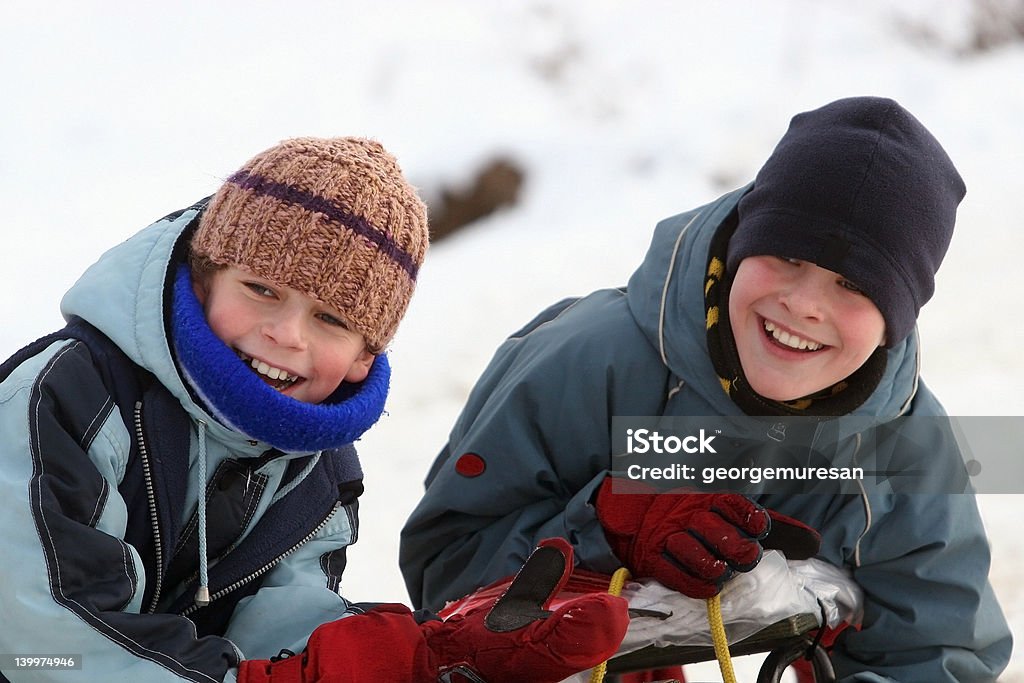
x: 123, y: 295
x: 666, y: 299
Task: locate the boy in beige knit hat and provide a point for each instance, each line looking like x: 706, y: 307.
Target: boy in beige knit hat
x: 179, y: 482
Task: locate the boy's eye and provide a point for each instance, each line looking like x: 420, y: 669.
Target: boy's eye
x: 790, y: 261
x: 261, y: 290
x: 331, y: 320
x: 846, y: 284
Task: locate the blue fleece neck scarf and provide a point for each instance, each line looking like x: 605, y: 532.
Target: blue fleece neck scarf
x: 242, y: 401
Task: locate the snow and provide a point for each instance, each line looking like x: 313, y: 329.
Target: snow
x: 621, y: 113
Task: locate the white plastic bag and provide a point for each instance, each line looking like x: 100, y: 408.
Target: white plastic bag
x: 774, y: 590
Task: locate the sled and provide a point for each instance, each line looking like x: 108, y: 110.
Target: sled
x: 785, y: 641
x: 778, y: 608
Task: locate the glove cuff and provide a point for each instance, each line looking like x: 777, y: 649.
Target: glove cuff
x: 796, y: 540
x: 288, y: 670
x: 384, y: 644
x: 621, y: 514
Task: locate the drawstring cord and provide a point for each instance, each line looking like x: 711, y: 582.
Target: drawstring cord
x: 203, y: 594
x: 715, y: 622
x: 298, y: 479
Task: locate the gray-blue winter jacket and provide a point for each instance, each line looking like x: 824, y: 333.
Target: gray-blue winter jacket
x: 540, y: 419
x: 98, y: 501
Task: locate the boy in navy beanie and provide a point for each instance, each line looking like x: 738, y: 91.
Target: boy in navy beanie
x: 858, y: 188
x: 796, y: 295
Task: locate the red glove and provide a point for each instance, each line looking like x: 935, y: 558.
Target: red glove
x: 513, y: 640
x: 691, y: 542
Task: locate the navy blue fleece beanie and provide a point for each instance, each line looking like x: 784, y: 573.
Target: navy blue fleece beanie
x: 859, y: 187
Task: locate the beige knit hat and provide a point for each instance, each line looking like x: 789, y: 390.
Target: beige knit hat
x: 331, y: 217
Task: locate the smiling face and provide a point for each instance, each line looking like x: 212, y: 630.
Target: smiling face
x: 293, y: 342
x: 799, y: 328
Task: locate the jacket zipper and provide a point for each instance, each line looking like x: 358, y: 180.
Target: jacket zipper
x: 265, y: 568
x: 151, y: 496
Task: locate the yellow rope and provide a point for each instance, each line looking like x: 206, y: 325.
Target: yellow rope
x: 619, y: 579
x: 715, y: 622
x: 719, y: 638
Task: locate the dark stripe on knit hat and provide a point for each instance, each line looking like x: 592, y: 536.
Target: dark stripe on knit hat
x: 336, y: 213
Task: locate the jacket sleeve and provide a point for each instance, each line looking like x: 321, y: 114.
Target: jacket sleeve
x: 525, y: 456
x: 71, y: 585
x: 929, y: 611
x: 269, y: 621
x: 916, y: 546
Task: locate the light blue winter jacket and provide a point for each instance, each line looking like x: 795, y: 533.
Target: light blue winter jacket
x: 71, y: 582
x: 540, y: 419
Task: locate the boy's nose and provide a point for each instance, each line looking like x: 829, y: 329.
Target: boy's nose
x: 286, y: 330
x: 805, y: 298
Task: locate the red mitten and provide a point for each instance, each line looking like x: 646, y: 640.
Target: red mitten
x: 690, y: 542
x: 513, y: 640
x: 517, y: 640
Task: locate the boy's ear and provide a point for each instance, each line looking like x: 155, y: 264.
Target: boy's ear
x: 360, y: 367
x: 200, y: 286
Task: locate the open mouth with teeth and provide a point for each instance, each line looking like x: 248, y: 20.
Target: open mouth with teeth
x: 789, y: 340
x: 276, y: 377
